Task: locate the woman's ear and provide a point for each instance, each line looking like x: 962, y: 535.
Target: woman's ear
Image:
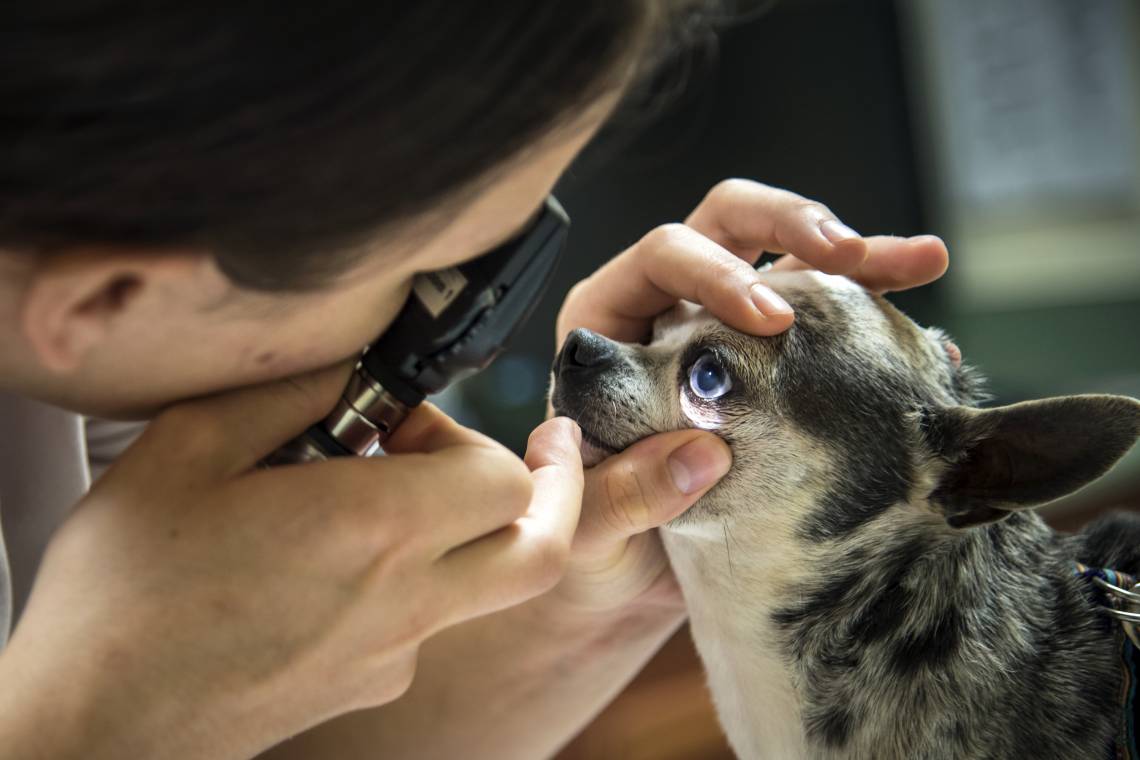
x: 73, y: 299
x: 1021, y: 456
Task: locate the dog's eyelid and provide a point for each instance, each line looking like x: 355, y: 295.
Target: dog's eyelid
x: 700, y: 348
x: 724, y: 357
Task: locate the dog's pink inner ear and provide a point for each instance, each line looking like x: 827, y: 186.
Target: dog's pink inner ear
x: 953, y: 352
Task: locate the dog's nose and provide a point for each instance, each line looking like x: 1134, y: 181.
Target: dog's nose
x: 585, y: 350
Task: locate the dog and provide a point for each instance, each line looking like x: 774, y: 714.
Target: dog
x: 868, y: 581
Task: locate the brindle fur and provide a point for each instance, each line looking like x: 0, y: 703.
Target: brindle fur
x: 838, y: 613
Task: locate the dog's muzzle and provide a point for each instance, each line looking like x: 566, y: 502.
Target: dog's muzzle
x: 578, y: 375
x: 584, y: 358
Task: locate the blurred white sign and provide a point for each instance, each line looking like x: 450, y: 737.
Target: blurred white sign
x: 1038, y: 98
x: 1032, y: 114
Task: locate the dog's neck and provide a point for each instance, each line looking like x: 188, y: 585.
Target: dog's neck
x: 885, y: 637
x: 730, y: 602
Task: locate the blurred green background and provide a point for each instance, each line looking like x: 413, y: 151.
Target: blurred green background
x: 1009, y: 127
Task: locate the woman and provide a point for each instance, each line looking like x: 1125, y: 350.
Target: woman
x: 205, y: 210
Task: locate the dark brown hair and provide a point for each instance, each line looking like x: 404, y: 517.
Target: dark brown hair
x: 278, y: 135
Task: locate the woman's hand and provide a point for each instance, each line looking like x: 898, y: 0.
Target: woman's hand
x: 617, y: 561
x: 194, y: 605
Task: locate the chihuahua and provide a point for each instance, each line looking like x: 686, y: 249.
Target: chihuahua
x: 868, y: 581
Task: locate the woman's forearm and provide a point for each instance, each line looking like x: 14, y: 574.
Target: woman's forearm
x: 91, y: 704
x: 517, y: 684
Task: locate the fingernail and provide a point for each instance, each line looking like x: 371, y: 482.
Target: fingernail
x: 766, y: 300
x: 698, y: 464
x: 837, y: 231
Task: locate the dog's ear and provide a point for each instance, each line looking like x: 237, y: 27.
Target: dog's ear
x: 1016, y: 457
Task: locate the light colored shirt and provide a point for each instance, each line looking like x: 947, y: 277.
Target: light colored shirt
x: 48, y: 459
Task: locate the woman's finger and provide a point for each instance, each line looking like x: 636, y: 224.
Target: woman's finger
x: 427, y: 429
x: 749, y: 218
x: 893, y: 263
x: 672, y: 263
x: 529, y: 556
x: 648, y: 484
x: 227, y: 433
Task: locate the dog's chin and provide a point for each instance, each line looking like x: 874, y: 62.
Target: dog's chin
x: 593, y: 453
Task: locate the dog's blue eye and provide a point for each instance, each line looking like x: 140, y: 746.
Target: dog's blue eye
x: 708, y: 379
